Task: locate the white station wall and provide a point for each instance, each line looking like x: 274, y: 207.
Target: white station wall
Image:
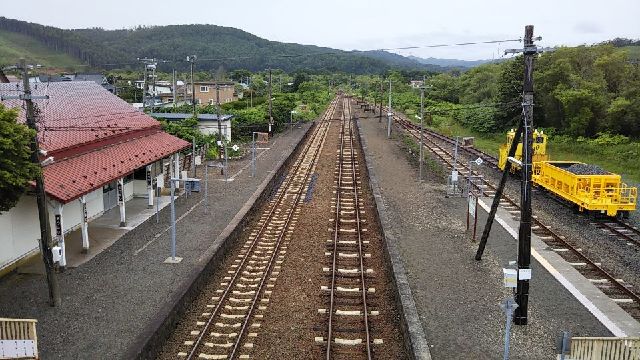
x: 20, y: 229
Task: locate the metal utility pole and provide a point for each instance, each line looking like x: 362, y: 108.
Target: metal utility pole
x: 270, y: 104
x: 144, y: 89
x: 389, y: 115
x: 192, y: 59
x: 149, y: 65
x: 193, y: 156
x: 221, y: 147
x: 175, y: 93
x: 524, y: 233
x: 43, y: 212
x: 381, y: 97
x: 421, y: 130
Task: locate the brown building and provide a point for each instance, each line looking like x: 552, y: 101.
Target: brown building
x: 206, y: 92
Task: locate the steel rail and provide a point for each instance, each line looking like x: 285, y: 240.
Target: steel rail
x: 335, y: 243
x: 346, y: 119
x: 359, y: 231
x: 255, y: 240
x: 294, y: 205
x: 626, y: 237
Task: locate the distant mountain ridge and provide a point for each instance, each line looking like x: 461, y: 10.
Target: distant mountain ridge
x: 451, y: 63
x: 214, y: 45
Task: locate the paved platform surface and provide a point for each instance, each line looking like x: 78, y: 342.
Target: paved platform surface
x: 456, y: 297
x: 108, y: 301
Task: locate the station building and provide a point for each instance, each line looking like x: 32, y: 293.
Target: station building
x: 104, y: 154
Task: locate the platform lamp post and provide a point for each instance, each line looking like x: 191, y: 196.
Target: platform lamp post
x: 389, y: 114
x: 291, y: 119
x: 421, y: 129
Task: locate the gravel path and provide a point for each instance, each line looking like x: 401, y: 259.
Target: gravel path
x: 109, y: 300
x: 457, y: 297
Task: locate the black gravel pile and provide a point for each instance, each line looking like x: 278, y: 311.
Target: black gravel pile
x: 587, y: 169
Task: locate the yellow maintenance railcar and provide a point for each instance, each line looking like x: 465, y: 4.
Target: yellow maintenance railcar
x: 604, y: 193
x: 539, y: 149
x: 586, y: 186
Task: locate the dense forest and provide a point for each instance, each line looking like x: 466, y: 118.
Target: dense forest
x: 215, y: 46
x: 579, y: 91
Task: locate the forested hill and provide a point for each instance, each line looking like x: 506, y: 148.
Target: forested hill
x: 214, y: 45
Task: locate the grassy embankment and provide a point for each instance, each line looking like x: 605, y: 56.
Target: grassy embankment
x: 13, y: 46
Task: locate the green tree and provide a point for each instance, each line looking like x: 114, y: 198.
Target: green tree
x: 281, y: 110
x: 16, y: 168
x: 444, y: 87
x: 510, y: 93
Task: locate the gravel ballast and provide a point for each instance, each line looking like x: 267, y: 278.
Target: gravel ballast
x: 586, y: 169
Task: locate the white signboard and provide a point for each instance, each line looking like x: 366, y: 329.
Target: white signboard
x: 198, y: 160
x: 160, y: 181
x: 472, y: 205
x: 479, y: 161
x: 510, y: 279
x: 524, y: 274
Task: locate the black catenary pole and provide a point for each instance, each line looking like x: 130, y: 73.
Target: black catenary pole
x: 524, y: 233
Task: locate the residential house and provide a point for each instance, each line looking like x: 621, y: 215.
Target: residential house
x: 416, y: 83
x: 205, y: 92
x: 104, y: 153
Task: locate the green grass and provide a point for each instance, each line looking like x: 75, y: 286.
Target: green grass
x: 13, y: 46
x: 620, y: 159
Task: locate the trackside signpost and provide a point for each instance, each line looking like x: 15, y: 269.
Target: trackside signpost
x: 472, y: 210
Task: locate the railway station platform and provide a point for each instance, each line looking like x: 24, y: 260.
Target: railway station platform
x: 457, y: 298
x: 111, y: 302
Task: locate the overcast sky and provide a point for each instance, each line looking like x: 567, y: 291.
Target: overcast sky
x: 361, y: 24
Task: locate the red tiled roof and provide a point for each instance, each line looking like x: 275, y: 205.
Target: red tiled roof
x: 74, y: 177
x: 94, y: 136
x: 78, y: 113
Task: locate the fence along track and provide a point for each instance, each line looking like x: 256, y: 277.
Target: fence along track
x: 348, y: 285
x: 613, y: 287
x: 244, y: 293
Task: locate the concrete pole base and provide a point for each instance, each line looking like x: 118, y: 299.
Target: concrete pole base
x: 85, y: 251
x: 171, y: 260
x: 123, y: 223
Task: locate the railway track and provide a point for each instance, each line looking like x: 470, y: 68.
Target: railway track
x: 348, y: 332
x: 608, y: 283
x: 231, y: 320
x: 621, y: 230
